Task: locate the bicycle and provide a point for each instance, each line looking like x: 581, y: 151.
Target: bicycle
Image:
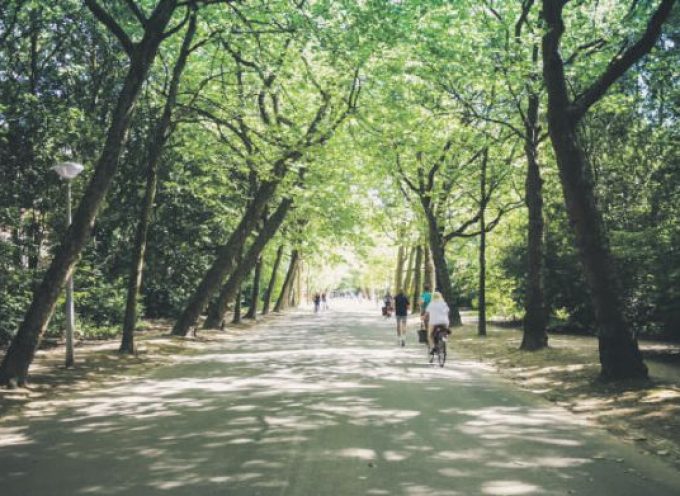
x: 440, y: 335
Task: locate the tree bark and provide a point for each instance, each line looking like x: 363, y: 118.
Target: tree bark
x: 284, y: 297
x: 408, y: 276
x: 481, y: 297
x: 535, y: 336
x: 237, y: 306
x: 297, y: 295
x: 417, y: 286
x: 255, y: 294
x: 218, y: 310
x: 399, y: 270
x: 441, y: 269
x: 224, y: 262
x: 620, y: 356
x: 14, y: 367
x: 272, y: 281
x: 429, y: 268
x: 156, y: 144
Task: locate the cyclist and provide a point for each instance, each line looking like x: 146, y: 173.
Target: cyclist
x: 437, y: 314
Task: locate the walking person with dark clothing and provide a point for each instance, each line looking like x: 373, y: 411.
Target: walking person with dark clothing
x: 401, y: 305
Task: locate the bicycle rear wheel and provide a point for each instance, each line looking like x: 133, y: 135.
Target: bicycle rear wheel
x: 441, y: 353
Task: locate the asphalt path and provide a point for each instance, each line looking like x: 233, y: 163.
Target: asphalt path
x: 325, y: 404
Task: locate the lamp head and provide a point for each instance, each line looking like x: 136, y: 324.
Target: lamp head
x: 68, y: 170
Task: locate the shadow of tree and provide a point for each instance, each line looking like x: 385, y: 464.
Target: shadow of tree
x: 307, y: 405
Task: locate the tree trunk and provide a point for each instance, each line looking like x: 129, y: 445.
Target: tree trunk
x: 429, y: 268
x: 481, y: 297
x: 224, y: 261
x: 399, y: 270
x: 441, y: 269
x: 284, y: 297
x: 293, y: 291
x: 535, y: 336
x: 297, y: 300
x: 217, y: 311
x: 417, y: 286
x: 409, y: 270
x: 255, y: 294
x: 272, y: 281
x: 156, y: 144
x: 237, y: 306
x: 620, y: 356
x: 20, y: 354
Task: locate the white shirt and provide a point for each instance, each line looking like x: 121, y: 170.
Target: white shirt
x: 439, y: 313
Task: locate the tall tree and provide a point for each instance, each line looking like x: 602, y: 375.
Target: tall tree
x: 620, y: 356
x: 431, y: 188
x: 158, y: 138
x: 14, y: 367
x: 292, y: 141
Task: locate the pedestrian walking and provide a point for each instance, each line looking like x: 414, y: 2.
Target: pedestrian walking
x: 401, y: 305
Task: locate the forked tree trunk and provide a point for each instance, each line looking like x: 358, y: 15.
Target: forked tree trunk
x: 14, y: 367
x: 218, y: 310
x: 224, y: 262
x: 255, y: 294
x: 156, y: 143
x: 620, y: 356
x: 284, y: 297
x: 417, y: 286
x: 272, y: 281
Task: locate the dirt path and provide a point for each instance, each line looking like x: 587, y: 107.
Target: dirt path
x: 314, y: 405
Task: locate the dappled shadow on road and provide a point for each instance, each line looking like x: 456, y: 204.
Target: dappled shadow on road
x: 302, y: 405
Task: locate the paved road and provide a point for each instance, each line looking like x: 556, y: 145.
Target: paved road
x: 316, y: 405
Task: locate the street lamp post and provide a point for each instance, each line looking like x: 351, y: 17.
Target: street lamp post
x: 68, y: 171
